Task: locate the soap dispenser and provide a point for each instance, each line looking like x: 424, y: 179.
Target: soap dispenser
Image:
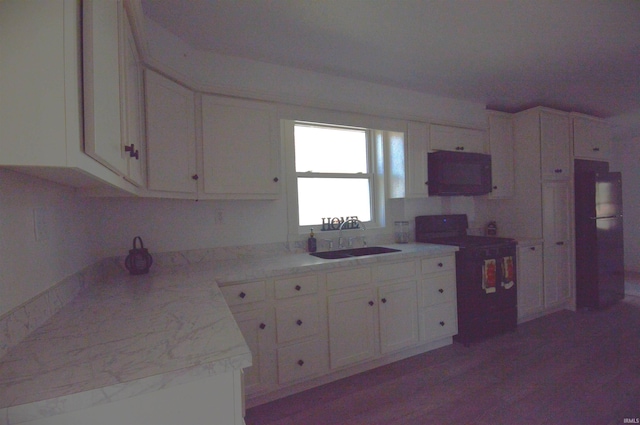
x: 311, y: 242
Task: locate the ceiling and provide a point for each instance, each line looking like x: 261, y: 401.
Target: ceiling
x: 573, y: 55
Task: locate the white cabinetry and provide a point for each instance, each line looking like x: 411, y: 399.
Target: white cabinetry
x: 438, y: 309
x: 417, y: 165
x: 591, y: 138
x: 448, y: 138
x: 530, y: 280
x: 171, y: 136
x: 241, y: 148
x: 41, y: 91
x: 556, y: 217
x: 351, y: 327
x: 112, y: 87
x: 555, y: 144
x: 501, y: 149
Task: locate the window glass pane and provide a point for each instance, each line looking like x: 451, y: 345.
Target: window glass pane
x: 328, y: 197
x: 330, y: 150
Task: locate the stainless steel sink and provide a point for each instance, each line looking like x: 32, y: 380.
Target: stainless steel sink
x: 353, y: 252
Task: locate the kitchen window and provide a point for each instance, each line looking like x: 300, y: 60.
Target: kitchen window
x: 338, y: 171
x: 333, y: 173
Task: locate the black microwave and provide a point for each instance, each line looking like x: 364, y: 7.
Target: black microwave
x: 459, y: 173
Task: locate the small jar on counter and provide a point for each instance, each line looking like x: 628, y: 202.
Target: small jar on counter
x: 401, y: 231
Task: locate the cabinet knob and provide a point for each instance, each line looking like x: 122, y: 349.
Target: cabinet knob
x: 560, y: 243
x: 426, y: 183
x: 440, y: 264
x: 195, y: 177
x: 262, y: 326
x: 533, y: 248
x: 298, y: 287
x: 300, y: 362
x: 558, y: 170
x: 299, y: 322
x: 242, y: 295
x: 441, y: 323
x: 495, y: 187
x: 370, y: 302
x: 459, y: 148
x: 441, y: 290
x: 276, y: 180
x: 596, y: 149
x: 384, y: 300
x: 133, y: 152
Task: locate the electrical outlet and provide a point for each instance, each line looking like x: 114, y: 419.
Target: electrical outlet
x: 40, y: 224
x: 218, y: 217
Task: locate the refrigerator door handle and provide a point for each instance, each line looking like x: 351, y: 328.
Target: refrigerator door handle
x: 607, y: 216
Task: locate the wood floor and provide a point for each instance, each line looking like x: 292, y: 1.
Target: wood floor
x: 565, y: 368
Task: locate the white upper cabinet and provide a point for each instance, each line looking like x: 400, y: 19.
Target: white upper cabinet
x: 501, y: 149
x: 41, y: 89
x: 417, y: 165
x: 448, y: 138
x: 591, y: 138
x: 171, y: 136
x: 112, y: 90
x: 240, y: 145
x: 555, y: 145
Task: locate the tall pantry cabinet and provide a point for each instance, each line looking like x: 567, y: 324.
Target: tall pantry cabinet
x: 541, y: 208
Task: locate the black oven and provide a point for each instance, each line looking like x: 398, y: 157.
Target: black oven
x: 459, y: 173
x: 486, y: 272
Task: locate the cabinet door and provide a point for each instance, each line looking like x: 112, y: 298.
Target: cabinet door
x: 591, y: 139
x: 258, y: 330
x: 102, y: 39
x: 501, y: 146
x: 171, y: 137
x: 398, y: 315
x: 134, y: 111
x: 556, y: 232
x: 443, y: 137
x: 351, y: 327
x: 417, y: 165
x: 530, y: 280
x: 555, y: 145
x: 240, y: 148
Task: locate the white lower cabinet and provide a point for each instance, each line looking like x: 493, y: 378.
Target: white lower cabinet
x: 303, y: 329
x: 351, y: 327
x: 398, y: 311
x: 530, y: 281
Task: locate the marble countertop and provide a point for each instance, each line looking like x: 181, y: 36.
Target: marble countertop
x: 130, y: 335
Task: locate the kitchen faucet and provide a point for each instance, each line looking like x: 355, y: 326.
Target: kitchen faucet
x: 355, y: 221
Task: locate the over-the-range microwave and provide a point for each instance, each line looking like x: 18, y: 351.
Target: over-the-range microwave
x: 459, y: 173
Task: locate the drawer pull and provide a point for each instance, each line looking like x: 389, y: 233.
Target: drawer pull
x: 440, y: 265
x: 300, y: 362
x: 242, y: 295
x: 370, y: 302
x: 441, y: 290
x: 262, y: 326
x: 298, y: 287
x: 533, y: 248
x: 558, y: 170
x: 594, y: 149
x: 384, y: 300
x: 441, y: 323
x: 299, y: 322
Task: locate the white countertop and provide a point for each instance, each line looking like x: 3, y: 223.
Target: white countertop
x: 130, y: 335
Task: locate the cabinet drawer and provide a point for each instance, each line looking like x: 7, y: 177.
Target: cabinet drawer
x: 438, y: 264
x: 297, y: 320
x: 302, y: 360
x: 244, y: 293
x: 439, y: 321
x: 394, y: 271
x: 348, y: 278
x: 438, y: 289
x: 296, y: 286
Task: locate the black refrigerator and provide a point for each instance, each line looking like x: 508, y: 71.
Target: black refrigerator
x: 599, y: 244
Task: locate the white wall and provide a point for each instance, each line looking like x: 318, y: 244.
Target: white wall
x: 627, y: 160
x: 29, y: 267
